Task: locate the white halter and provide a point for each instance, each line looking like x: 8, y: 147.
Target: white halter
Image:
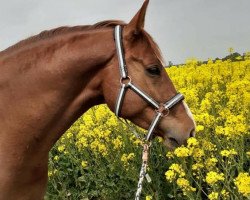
x: 162, y: 109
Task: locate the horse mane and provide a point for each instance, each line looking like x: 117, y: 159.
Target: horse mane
x: 63, y: 30
x: 67, y: 29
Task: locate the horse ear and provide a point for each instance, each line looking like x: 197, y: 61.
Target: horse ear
x: 135, y: 26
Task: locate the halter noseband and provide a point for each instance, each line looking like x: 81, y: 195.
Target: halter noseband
x: 162, y: 109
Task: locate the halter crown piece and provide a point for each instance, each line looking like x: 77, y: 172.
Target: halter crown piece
x: 162, y: 109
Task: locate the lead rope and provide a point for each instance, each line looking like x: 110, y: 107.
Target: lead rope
x: 143, y: 171
x: 145, y: 155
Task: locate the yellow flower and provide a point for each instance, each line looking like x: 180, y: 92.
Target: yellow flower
x: 127, y: 157
x: 117, y: 142
x: 56, y: 158
x: 199, y: 128
x: 182, y: 152
x: 197, y: 153
x: 84, y: 164
x: 208, y: 146
x: 227, y: 153
x: 170, y: 175
x: 185, y: 185
x: 160, y: 140
x: 148, y: 197
x: 170, y: 154
x: 178, y: 169
x: 99, y: 147
x: 82, y: 142
x: 61, y: 148
x: 219, y: 130
x: 131, y: 156
x: 243, y: 184
x: 192, y: 142
x: 225, y: 194
x: 50, y: 173
x: 213, y: 177
x: 137, y: 142
x: 213, y: 196
x: 69, y: 135
x: 211, y: 163
x: 197, y: 166
x: 196, y: 169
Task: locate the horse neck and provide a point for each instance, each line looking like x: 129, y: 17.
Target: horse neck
x: 85, y: 55
x: 54, y: 82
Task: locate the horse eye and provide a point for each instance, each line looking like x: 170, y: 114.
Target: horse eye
x: 155, y: 71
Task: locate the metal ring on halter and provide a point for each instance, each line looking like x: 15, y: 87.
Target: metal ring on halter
x: 164, y: 113
x: 163, y: 110
x: 128, y: 79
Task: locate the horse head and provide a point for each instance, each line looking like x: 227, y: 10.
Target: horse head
x: 141, y: 74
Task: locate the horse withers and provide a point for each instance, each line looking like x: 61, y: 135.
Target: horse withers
x: 49, y: 80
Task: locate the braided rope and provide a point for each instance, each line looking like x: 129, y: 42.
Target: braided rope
x: 139, y: 186
x: 143, y: 171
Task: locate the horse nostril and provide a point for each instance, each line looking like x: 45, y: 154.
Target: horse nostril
x: 192, y: 133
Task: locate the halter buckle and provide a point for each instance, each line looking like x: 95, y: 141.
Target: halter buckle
x: 145, y: 153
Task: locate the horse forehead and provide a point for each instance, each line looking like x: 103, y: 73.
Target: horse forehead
x: 145, y: 54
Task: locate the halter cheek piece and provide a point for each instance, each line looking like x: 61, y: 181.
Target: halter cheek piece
x: 162, y: 109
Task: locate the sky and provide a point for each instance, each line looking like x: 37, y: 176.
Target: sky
x: 183, y: 29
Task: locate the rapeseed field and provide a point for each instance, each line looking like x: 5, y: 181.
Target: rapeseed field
x: 99, y: 157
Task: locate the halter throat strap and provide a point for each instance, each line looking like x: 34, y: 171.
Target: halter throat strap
x: 162, y: 109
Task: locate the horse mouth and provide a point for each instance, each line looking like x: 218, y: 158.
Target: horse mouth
x: 170, y: 142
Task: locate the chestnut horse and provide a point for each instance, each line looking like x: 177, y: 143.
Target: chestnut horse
x: 49, y: 80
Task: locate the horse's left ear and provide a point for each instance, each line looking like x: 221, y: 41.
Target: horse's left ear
x: 135, y: 26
